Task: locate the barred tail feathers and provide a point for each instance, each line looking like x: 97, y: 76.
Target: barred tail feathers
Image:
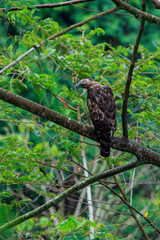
x: 104, y: 139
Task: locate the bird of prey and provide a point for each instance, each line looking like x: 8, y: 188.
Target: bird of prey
x: 102, y: 110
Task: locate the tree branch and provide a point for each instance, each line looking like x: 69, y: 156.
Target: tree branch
x: 53, y: 5
x: 125, y: 201
x: 130, y: 73
x: 57, y: 35
x: 137, y: 13
x: 131, y: 209
x: 86, y: 173
x: 130, y: 206
x: 67, y: 193
x: 144, y: 155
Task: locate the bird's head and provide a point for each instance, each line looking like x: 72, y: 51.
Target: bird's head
x: 84, y: 83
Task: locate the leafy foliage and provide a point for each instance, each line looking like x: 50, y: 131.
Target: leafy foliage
x: 40, y: 159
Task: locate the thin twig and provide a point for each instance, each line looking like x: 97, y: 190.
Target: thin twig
x: 132, y: 183
x: 67, y: 193
x: 57, y: 35
x: 89, y: 194
x: 143, y: 154
x: 136, y: 12
x: 125, y: 200
x: 80, y: 202
x: 131, y: 209
x: 127, y: 203
x: 52, y: 5
x: 63, y: 100
x: 130, y: 74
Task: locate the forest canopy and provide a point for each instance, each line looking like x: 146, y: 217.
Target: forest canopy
x: 53, y: 182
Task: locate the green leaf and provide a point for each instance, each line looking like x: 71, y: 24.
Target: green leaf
x: 21, y: 36
x: 15, y: 46
x: 37, y: 49
x: 91, y: 223
x: 51, y: 141
x: 5, y: 27
x: 60, y: 163
x: 9, y: 40
x: 7, y: 7
x: 5, y: 54
x: 73, y: 221
x: 67, y: 225
x: 71, y: 237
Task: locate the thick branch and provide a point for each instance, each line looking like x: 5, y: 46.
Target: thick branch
x: 57, y: 35
x: 68, y: 192
x: 143, y: 154
x: 137, y: 13
x: 53, y: 5
x: 130, y: 74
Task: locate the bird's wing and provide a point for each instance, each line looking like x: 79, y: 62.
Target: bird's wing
x: 102, y: 107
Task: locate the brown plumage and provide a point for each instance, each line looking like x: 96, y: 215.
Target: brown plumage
x: 102, y: 109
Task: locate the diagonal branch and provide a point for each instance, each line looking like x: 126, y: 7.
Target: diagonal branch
x: 67, y: 193
x: 143, y: 154
x: 130, y: 73
x: 52, y: 5
x: 125, y: 201
x: 131, y: 209
x: 137, y: 13
x: 57, y: 35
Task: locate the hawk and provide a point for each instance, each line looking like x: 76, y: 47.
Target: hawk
x: 102, y: 110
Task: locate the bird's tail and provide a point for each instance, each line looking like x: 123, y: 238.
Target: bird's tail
x: 104, y: 139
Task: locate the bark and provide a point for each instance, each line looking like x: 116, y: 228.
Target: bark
x: 57, y: 35
x: 67, y: 193
x: 52, y: 5
x: 136, y: 12
x: 143, y: 154
x: 130, y: 74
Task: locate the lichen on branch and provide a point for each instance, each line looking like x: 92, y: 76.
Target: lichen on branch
x: 144, y: 155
